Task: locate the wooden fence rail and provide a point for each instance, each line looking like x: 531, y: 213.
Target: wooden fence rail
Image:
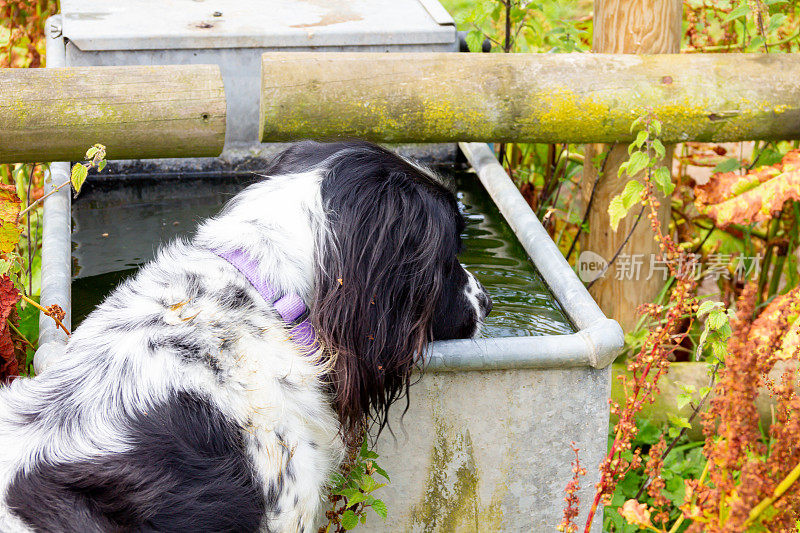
x: 441, y: 97
x: 137, y: 112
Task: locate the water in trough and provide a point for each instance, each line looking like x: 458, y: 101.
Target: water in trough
x: 119, y: 223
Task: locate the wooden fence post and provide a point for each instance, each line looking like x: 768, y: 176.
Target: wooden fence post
x: 626, y: 27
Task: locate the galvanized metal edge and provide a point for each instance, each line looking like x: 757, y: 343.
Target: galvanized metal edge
x: 56, y: 234
x: 596, y: 344
x: 599, y: 339
x: 437, y: 12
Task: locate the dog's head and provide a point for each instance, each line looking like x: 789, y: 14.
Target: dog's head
x: 388, y: 279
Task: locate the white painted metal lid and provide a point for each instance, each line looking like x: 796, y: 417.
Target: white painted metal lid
x: 180, y: 24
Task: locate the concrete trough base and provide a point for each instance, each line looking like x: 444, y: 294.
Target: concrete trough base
x: 490, y: 450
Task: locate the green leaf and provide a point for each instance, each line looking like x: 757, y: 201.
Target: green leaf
x: 616, y: 211
x: 680, y: 421
x: 683, y: 399
x: 101, y: 165
x: 337, y: 480
x: 641, y: 137
x: 717, y: 319
x: 739, y: 12
x: 622, y: 203
x: 637, y: 162
x: 380, y: 508
x: 475, y: 40
x: 79, y: 173
x: 767, y: 157
x: 663, y: 180
x: 756, y: 43
x: 497, y: 11
x: 775, y: 22
x: 91, y: 151
x: 349, y: 519
x: 347, y: 493
x: 358, y: 497
x: 381, y: 471
x: 655, y: 128
x: 632, y: 193
x: 368, y: 484
x: 720, y: 351
x: 706, y: 307
x: 728, y: 165
x: 648, y: 433
x: 659, y: 149
x: 636, y: 123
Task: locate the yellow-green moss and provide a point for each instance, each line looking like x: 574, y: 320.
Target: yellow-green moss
x: 451, y: 502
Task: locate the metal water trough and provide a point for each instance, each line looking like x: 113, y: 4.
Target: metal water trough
x: 485, y: 444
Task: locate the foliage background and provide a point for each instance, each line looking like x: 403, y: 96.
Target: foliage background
x: 728, y: 200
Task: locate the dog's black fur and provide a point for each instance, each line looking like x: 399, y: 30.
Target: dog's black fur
x: 181, y: 403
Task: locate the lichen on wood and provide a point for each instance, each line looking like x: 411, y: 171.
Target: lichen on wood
x: 138, y: 112
x: 441, y: 97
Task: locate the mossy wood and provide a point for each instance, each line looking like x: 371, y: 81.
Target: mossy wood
x: 442, y: 97
x: 137, y: 112
x: 636, y: 27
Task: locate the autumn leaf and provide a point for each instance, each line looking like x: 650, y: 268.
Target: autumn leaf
x: 730, y: 198
x: 9, y: 203
x: 636, y: 513
x: 768, y: 326
x: 9, y: 296
x: 9, y: 209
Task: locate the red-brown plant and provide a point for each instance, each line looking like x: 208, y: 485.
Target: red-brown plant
x: 571, y: 510
x: 744, y: 473
x: 652, y: 360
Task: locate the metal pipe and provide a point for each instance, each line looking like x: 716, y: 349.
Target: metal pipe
x: 56, y: 234
x: 558, y: 275
x: 599, y: 339
x: 595, y: 346
x: 596, y: 343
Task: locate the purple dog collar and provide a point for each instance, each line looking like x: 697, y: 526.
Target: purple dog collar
x: 289, y: 306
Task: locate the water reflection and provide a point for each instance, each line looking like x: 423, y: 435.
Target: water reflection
x: 138, y: 217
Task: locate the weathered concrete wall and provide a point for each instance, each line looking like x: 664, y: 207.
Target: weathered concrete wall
x: 490, y: 451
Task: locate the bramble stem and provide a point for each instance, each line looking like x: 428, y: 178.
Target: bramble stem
x: 45, y: 311
x: 42, y: 199
x: 18, y: 332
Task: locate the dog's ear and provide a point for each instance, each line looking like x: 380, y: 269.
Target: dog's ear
x: 381, y: 272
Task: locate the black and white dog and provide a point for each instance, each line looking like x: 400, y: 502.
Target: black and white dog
x: 214, y: 390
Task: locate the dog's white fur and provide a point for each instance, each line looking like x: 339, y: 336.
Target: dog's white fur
x: 272, y: 223
x: 80, y: 407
